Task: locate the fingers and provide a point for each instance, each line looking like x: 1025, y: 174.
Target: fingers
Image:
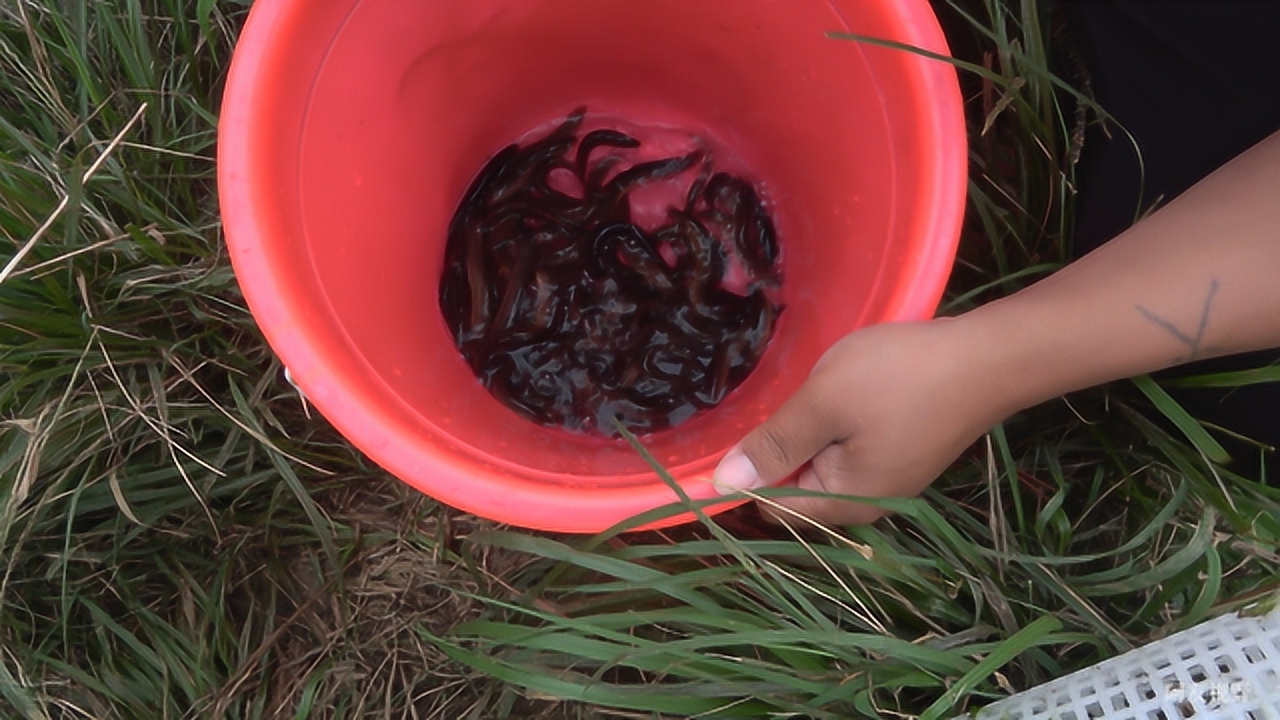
x: 832, y: 511
x: 882, y: 415
x: 799, y: 430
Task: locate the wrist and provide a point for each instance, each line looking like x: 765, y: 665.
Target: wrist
x: 1046, y: 341
x: 1025, y: 349
x: 983, y: 376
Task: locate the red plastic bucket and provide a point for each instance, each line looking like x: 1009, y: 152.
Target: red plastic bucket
x: 351, y: 128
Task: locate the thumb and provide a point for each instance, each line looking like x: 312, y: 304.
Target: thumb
x: 800, y: 429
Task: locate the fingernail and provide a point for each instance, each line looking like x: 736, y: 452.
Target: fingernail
x: 736, y: 473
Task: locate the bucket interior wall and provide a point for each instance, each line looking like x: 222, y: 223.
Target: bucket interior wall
x: 398, y: 104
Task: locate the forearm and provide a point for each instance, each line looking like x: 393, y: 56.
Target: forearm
x: 1197, y: 279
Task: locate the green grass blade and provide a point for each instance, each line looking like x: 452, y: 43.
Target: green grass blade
x: 1194, y: 432
x: 1037, y: 633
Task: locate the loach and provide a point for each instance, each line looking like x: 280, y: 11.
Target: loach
x: 575, y: 316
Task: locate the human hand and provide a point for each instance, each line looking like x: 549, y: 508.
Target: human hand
x: 883, y: 413
x: 888, y: 407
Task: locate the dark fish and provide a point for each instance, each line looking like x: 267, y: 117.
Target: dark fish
x: 626, y: 246
x: 477, y: 195
x: 756, y: 240
x: 599, y: 138
x: 594, y: 177
x: 571, y: 315
x: 652, y: 171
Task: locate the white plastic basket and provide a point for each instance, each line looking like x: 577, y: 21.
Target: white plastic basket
x: 1227, y: 668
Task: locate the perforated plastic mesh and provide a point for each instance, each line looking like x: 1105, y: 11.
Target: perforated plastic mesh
x: 1227, y: 669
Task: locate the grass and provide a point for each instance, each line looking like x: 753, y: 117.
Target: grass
x: 177, y: 537
x: 180, y: 537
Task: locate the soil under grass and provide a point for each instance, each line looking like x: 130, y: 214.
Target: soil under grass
x: 181, y: 537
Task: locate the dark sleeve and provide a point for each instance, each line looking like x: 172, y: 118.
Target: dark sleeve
x: 1195, y: 81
